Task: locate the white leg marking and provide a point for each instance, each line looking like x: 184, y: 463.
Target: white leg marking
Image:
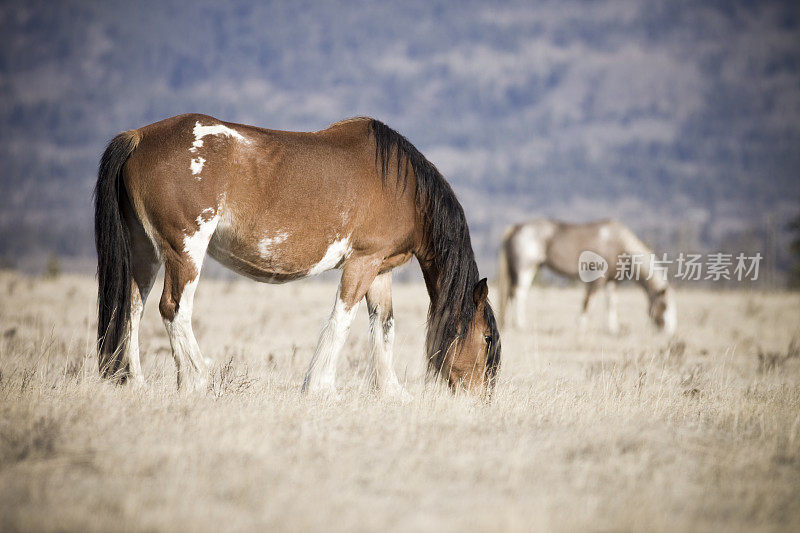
x: 338, y: 250
x: 181, y: 338
x: 138, y: 299
x: 321, y: 374
x: 137, y: 307
x: 381, y: 333
x: 670, y: 314
x: 520, y: 295
x: 611, y: 308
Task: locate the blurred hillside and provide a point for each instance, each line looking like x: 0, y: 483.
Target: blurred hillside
x: 681, y: 119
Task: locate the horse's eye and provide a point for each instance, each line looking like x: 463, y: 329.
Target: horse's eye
x: 488, y: 339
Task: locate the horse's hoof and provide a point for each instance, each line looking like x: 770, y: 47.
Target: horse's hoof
x: 318, y: 389
x: 404, y: 397
x: 397, y: 393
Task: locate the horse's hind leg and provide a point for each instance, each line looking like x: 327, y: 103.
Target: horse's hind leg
x: 182, y: 265
x: 381, y: 333
x: 176, y: 304
x: 145, y: 265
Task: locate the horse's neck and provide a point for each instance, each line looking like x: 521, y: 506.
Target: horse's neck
x: 438, y: 313
x: 654, y: 284
x: 431, y: 276
x: 650, y: 283
x: 441, y: 307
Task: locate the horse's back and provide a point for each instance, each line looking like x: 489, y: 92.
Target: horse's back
x: 284, y: 204
x: 190, y: 163
x: 608, y: 238
x: 558, y: 244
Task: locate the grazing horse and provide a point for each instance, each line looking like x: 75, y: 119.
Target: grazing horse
x: 277, y: 206
x: 558, y: 246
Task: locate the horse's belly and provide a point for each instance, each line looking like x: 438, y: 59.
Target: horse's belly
x: 277, y: 256
x: 252, y: 269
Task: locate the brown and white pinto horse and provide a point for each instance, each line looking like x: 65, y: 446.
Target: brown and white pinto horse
x: 558, y: 246
x: 277, y: 206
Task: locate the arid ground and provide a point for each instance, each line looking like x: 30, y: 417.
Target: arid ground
x: 595, y: 432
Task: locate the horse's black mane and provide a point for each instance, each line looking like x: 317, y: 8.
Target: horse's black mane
x: 448, y: 247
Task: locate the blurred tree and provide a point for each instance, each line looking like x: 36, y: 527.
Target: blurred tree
x: 794, y: 250
x: 7, y: 263
x: 53, y: 268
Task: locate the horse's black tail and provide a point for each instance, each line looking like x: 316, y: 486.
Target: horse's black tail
x: 112, y: 240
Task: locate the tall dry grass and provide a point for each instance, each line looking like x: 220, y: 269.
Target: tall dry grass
x: 599, y: 432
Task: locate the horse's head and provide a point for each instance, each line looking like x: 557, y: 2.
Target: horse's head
x: 662, y: 310
x: 473, y: 363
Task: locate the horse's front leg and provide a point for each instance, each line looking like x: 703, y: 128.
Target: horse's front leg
x: 591, y: 289
x: 381, y: 333
x: 357, y: 276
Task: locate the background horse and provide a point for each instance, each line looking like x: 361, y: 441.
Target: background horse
x: 558, y: 245
x: 278, y: 206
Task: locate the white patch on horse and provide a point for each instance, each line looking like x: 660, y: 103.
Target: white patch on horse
x: 338, y: 250
x: 266, y: 245
x: 182, y: 340
x: 197, y: 166
x: 531, y: 244
x: 196, y: 244
x: 201, y: 131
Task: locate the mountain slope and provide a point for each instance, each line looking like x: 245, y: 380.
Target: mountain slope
x: 666, y: 115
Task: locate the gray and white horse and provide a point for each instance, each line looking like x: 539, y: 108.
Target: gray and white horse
x: 559, y: 246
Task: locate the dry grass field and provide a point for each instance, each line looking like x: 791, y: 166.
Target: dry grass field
x: 593, y: 432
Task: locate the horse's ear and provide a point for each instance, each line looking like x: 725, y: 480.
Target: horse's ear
x: 481, y: 292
